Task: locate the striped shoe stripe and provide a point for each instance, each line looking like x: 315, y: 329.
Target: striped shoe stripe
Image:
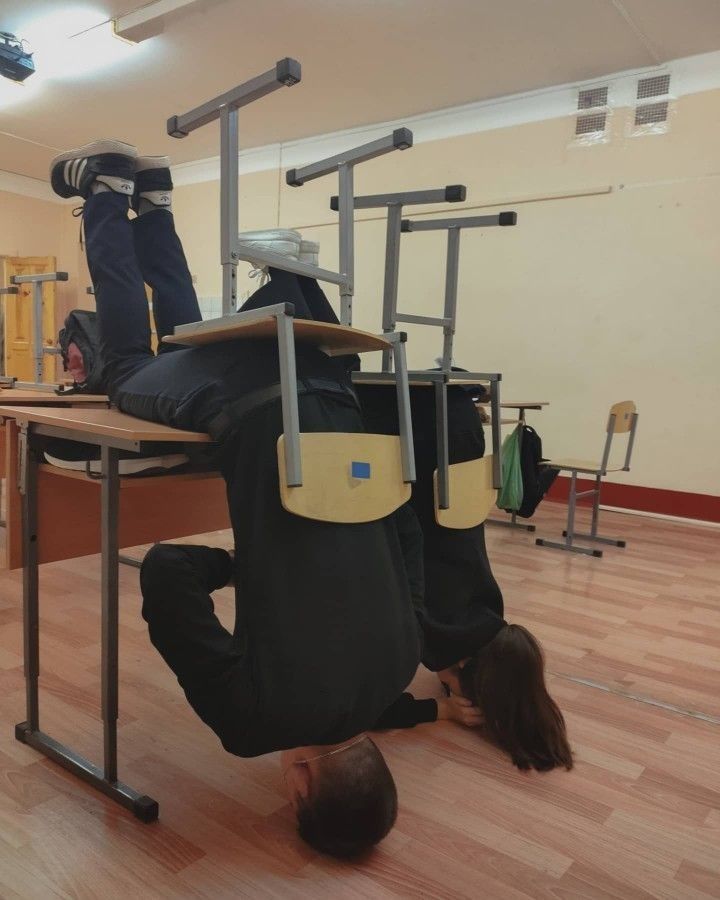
x: 66, y: 171
x: 81, y: 170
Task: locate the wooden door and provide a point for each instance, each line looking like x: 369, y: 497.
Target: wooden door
x: 18, y: 317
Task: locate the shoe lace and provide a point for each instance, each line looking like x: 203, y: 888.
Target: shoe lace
x: 260, y: 272
x: 77, y: 213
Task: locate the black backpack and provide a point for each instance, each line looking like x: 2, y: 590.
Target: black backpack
x: 81, y: 334
x: 536, y: 479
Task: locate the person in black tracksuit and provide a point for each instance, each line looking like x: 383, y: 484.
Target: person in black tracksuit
x: 493, y: 672
x: 311, y: 597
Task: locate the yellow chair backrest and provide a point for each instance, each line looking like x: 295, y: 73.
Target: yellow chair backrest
x: 623, y: 412
x: 347, y: 478
x: 472, y: 494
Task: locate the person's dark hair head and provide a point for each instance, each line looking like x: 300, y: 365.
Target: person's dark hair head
x: 352, y: 802
x: 506, y: 680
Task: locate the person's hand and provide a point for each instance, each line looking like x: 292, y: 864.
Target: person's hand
x: 459, y: 709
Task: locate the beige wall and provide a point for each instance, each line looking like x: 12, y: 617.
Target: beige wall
x: 31, y: 227
x: 589, y: 300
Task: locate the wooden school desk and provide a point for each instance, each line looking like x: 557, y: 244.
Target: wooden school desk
x: 152, y: 508
x: 112, y: 431
x: 18, y: 397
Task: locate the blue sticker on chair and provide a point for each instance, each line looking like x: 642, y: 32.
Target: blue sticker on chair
x: 360, y: 469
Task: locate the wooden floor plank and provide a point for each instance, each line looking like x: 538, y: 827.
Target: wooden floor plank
x: 638, y: 817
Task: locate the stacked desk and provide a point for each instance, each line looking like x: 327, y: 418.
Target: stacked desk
x: 112, y: 432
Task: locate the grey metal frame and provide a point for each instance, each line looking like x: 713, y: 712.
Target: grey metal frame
x: 283, y: 313
x: 453, y: 227
x: 344, y: 164
x: 396, y: 225
x: 452, y: 193
x: 569, y: 533
x: 39, y: 352
x: 440, y: 381
x: 286, y: 73
x: 104, y: 778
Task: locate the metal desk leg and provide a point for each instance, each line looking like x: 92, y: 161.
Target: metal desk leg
x: 402, y: 387
x: 495, y: 429
x: 110, y: 507
x: 28, y: 469
x: 441, y: 437
x: 28, y: 732
x: 289, y: 396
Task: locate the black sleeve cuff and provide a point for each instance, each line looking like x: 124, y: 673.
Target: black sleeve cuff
x: 406, y: 712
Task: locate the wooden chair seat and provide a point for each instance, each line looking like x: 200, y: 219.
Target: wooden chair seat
x: 334, y: 340
x: 347, y: 478
x: 472, y: 494
x: 579, y: 465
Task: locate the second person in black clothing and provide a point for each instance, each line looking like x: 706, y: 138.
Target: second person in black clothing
x: 493, y: 671
x: 297, y: 673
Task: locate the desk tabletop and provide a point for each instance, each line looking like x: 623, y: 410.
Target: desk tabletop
x: 108, y: 423
x: 423, y: 379
x: 10, y: 396
x: 335, y: 340
x: 516, y: 404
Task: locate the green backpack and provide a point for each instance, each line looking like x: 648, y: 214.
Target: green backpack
x: 511, y: 492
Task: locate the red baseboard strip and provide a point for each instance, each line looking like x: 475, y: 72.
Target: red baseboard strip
x: 704, y: 507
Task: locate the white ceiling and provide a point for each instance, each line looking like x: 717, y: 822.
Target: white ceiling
x: 363, y: 61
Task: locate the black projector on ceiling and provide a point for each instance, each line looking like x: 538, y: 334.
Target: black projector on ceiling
x: 16, y: 63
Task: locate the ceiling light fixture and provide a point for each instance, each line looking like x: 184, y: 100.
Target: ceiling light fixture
x: 149, y: 20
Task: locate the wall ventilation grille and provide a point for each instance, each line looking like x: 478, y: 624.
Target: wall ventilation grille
x: 591, y: 118
x: 652, y: 105
x: 590, y: 124
x: 651, y: 113
x: 592, y: 98
x: 655, y: 86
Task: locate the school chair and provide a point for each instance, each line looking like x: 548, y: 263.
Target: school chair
x: 623, y: 419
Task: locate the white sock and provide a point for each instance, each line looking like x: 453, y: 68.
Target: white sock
x: 116, y: 183
x: 145, y: 205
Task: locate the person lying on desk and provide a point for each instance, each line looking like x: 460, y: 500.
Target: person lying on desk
x: 493, y: 671
x: 326, y: 634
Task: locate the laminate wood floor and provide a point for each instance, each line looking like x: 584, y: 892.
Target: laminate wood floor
x: 632, y: 640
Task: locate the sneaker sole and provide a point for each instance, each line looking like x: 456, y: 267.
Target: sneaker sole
x: 96, y: 148
x: 148, y: 163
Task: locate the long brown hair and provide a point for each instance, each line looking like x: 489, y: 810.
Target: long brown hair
x: 506, y: 680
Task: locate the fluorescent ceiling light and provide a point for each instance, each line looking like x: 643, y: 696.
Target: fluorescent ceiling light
x: 149, y: 20
x: 68, y: 45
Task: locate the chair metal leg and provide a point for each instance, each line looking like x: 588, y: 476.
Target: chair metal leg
x: 512, y: 522
x: 593, y: 535
x: 569, y: 534
x: 129, y: 561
